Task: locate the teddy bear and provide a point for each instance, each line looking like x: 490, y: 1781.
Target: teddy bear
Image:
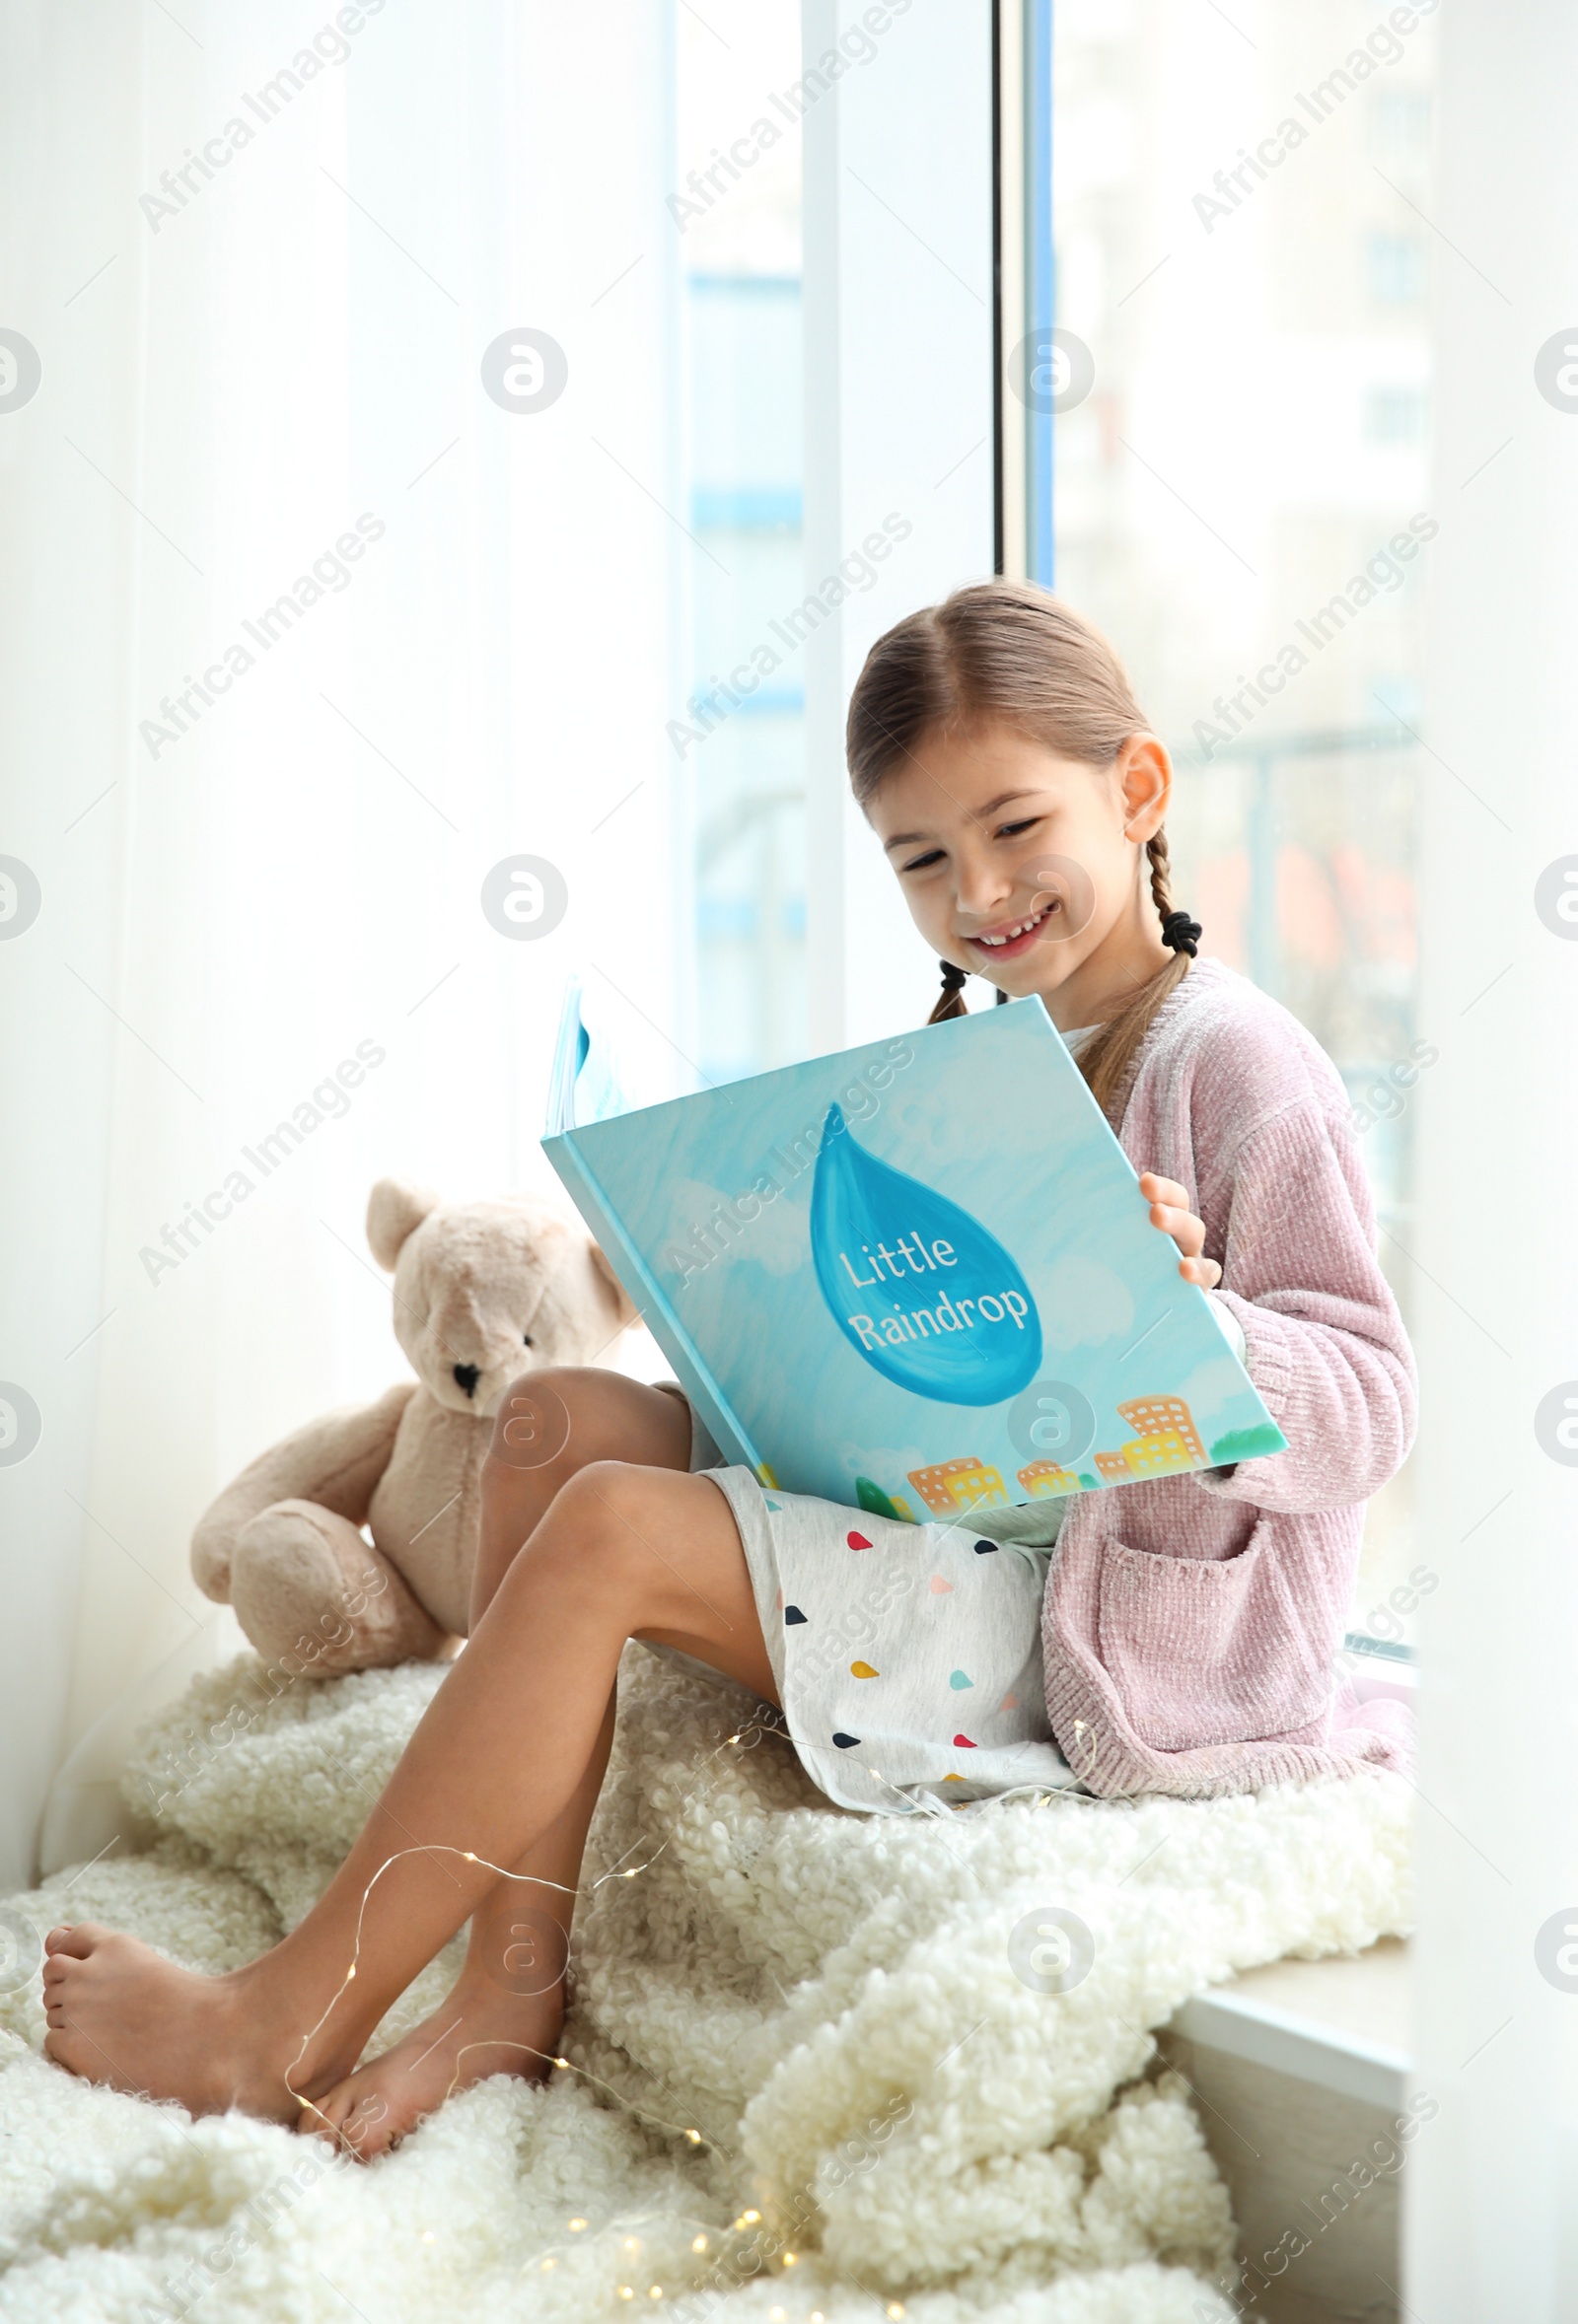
x: 483, y: 1292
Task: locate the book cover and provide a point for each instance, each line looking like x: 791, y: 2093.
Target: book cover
x: 584, y: 1081
x: 917, y: 1277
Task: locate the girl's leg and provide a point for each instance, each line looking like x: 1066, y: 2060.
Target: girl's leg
x: 503, y: 2014
x: 551, y: 1423
x: 504, y: 2011
x: 499, y: 1757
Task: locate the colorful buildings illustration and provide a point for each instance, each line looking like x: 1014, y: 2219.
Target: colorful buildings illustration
x: 1165, y: 1441
x: 953, y: 1486
x: 1044, y: 1478
x: 870, y: 1495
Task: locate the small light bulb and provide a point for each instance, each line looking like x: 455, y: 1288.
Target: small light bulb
x: 694, y: 2137
x: 653, y: 2292
x: 627, y: 2291
x: 789, y: 2258
x: 816, y: 2316
x: 350, y: 1972
x: 751, y: 2217
x: 632, y: 2243
x: 561, y: 2061
x: 576, y: 2226
x: 776, y: 2315
x: 631, y: 1873
x: 896, y: 2309
x: 428, y: 2236
x: 550, y: 2263
x: 699, y: 2243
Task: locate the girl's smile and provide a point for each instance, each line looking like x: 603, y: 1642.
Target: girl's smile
x: 1008, y: 940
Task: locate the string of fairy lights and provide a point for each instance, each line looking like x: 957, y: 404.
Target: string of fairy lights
x: 702, y: 2242
x: 556, y: 2061
x: 552, y: 2060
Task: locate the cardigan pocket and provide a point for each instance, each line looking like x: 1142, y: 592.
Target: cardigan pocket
x: 1209, y: 1650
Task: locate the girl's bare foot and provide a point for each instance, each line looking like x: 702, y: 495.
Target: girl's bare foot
x: 121, y: 2014
x: 480, y: 2029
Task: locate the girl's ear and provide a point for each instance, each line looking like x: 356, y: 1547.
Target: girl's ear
x: 1145, y: 778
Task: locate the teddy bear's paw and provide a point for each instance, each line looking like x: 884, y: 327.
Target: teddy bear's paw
x: 309, y: 1589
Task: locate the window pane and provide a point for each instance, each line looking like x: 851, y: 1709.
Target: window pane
x: 1241, y: 501
x: 738, y: 180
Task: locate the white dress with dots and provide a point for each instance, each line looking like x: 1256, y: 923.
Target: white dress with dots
x: 907, y: 1658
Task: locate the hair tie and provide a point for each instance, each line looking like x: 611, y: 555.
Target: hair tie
x: 1182, y: 933
x: 953, y: 978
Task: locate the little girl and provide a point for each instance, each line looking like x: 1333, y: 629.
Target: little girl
x: 1184, y: 1639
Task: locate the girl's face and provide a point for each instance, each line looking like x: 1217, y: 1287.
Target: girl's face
x: 1029, y: 868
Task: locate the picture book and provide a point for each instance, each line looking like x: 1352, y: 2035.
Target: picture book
x: 916, y: 1278
x: 584, y: 1081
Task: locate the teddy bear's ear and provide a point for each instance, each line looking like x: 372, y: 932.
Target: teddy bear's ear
x: 394, y: 1208
x: 624, y: 1311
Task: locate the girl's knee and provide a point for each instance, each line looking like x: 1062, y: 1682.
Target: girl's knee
x: 537, y: 1412
x: 565, y: 1417
x: 599, y: 1524
x: 588, y: 1550
x: 602, y: 1500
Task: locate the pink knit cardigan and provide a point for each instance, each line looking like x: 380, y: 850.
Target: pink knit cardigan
x: 1191, y: 1622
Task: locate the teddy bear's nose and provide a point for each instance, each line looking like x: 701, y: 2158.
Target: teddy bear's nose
x: 466, y: 1377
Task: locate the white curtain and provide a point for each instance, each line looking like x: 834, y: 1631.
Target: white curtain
x: 266, y: 370
x: 1492, y: 2222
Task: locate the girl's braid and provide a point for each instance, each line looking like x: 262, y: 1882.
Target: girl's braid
x: 1161, y: 874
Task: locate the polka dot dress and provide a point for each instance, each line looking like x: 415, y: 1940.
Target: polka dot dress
x: 908, y: 1658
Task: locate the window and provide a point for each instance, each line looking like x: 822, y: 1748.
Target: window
x: 1400, y: 127
x: 1242, y: 506
x: 740, y: 734
x: 1395, y: 270
x: 1393, y: 416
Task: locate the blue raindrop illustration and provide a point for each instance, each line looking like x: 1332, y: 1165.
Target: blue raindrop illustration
x: 958, y: 1325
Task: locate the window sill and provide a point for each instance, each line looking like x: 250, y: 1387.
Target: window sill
x: 1343, y: 2023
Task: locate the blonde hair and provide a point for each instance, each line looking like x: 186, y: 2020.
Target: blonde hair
x: 1006, y: 653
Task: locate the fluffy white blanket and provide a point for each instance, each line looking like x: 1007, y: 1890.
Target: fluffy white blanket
x: 838, y: 2004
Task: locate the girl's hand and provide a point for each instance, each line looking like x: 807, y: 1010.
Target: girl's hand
x: 1171, y: 1212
